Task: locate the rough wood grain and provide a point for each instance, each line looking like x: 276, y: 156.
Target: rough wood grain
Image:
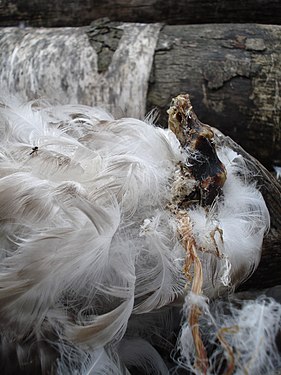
x: 232, y: 74
x: 80, y: 13
x: 99, y: 65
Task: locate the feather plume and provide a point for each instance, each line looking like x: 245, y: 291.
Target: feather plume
x: 247, y: 329
x: 233, y: 227
x: 91, y: 254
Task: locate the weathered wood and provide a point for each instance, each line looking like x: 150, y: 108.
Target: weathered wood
x: 232, y: 74
x: 100, y: 65
x: 80, y: 13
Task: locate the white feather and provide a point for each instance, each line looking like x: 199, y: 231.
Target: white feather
x: 88, y: 244
x: 248, y: 327
x: 74, y: 361
x: 238, y: 222
x: 71, y: 216
x: 278, y: 172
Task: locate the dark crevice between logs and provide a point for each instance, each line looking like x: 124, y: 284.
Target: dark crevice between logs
x: 104, y: 36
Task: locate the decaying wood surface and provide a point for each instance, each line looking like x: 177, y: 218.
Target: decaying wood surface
x: 80, y: 13
x: 232, y: 74
x: 101, y: 65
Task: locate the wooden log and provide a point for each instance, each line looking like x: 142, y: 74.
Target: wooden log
x: 231, y: 71
x: 102, y: 65
x: 54, y: 13
x: 233, y: 77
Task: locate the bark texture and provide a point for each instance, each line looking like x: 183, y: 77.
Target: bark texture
x: 99, y: 65
x: 233, y: 77
x: 55, y: 13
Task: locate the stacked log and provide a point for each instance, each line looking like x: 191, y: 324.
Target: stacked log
x: 232, y: 75
x: 230, y: 71
x: 55, y: 13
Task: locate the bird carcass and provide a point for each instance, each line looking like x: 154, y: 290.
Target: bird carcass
x: 115, y: 235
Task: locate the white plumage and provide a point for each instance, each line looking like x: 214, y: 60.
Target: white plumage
x: 243, y: 218
x: 91, y: 260
x: 242, y: 335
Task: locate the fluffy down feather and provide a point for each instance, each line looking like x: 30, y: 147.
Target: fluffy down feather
x: 233, y: 227
x: 89, y: 246
x: 242, y: 335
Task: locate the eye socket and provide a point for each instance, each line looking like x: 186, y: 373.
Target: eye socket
x: 179, y: 117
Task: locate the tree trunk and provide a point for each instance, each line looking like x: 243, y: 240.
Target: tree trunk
x: 54, y: 13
